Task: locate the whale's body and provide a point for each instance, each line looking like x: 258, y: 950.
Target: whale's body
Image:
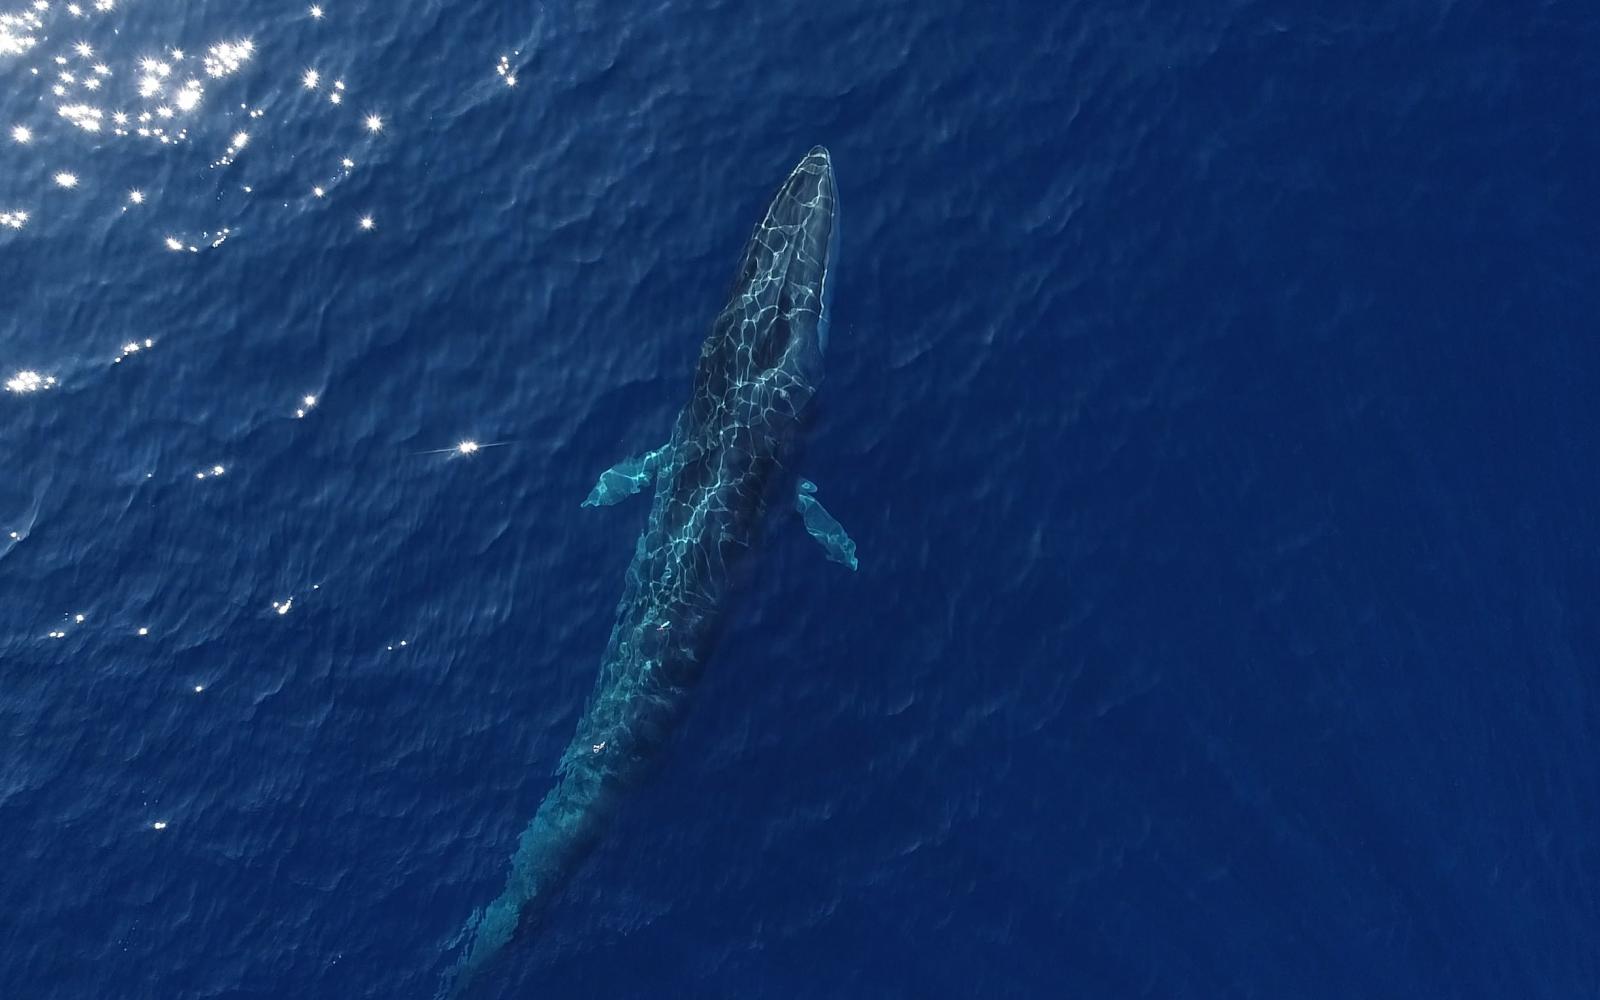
x: 757, y: 370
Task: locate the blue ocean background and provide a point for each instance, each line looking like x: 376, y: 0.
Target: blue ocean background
x: 1211, y: 395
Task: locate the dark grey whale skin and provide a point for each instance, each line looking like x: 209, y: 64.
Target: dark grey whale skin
x: 757, y: 371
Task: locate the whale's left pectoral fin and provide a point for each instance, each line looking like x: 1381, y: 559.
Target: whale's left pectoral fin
x: 823, y: 526
x: 624, y: 479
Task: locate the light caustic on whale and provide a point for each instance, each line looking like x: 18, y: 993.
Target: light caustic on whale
x: 757, y: 371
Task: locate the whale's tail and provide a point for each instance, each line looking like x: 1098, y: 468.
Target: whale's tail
x: 561, y: 835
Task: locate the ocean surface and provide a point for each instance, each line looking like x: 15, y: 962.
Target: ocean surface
x: 1211, y: 394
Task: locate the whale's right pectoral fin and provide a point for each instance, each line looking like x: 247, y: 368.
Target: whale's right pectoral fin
x: 624, y: 479
x: 823, y: 526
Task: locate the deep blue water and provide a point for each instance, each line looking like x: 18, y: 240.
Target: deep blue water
x: 1210, y: 393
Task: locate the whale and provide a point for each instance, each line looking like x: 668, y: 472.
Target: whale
x: 757, y: 371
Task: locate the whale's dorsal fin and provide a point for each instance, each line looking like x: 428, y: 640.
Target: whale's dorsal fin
x: 624, y: 479
x: 823, y: 526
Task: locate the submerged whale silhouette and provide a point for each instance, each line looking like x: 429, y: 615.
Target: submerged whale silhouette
x: 757, y: 370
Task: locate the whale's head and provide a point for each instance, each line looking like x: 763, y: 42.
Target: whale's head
x: 767, y: 344
x: 789, y: 263
x: 807, y: 207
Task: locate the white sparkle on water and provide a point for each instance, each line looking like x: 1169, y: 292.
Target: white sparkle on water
x: 136, y: 196
x: 29, y: 380
x: 21, y: 134
x: 311, y: 79
x: 189, y: 96
x: 226, y: 57
x: 503, y: 68
x: 85, y: 116
x: 367, y: 222
x: 316, y: 12
x: 66, y: 179
x: 132, y: 347
x: 374, y: 124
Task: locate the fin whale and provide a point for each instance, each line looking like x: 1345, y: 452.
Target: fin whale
x: 757, y: 370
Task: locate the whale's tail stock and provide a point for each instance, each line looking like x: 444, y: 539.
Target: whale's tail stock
x: 561, y: 835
